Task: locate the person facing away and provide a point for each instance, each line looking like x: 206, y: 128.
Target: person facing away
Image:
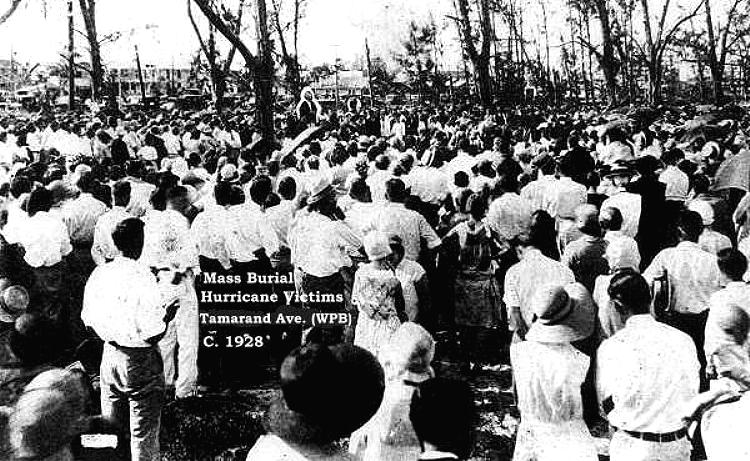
x: 443, y: 415
x: 123, y: 305
x: 645, y: 374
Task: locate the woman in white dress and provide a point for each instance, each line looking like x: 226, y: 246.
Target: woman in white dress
x: 548, y: 372
x: 389, y: 435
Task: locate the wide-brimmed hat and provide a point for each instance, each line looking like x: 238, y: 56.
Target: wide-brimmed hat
x: 320, y: 188
x: 14, y: 301
x: 619, y: 168
x: 328, y: 392
x: 377, y: 245
x: 704, y: 209
x: 563, y: 314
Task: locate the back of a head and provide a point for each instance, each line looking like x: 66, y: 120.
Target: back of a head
x: 121, y: 193
x: 128, y: 237
x: 35, y: 340
x: 587, y: 220
x: 443, y: 414
x: 260, y: 188
x: 631, y: 290
x: 690, y: 225
x: 610, y: 219
x: 701, y: 183
x: 395, y: 190
x: 732, y: 263
x: 411, y: 349
x: 223, y: 193
x: 40, y: 199
x: 287, y: 188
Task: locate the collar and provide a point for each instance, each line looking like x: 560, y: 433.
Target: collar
x: 735, y: 285
x: 640, y: 319
x: 434, y: 454
x: 688, y: 245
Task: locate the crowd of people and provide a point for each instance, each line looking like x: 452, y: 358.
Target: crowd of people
x: 603, y: 256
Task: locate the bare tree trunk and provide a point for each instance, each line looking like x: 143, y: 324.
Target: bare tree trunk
x: 717, y: 71
x: 88, y: 11
x: 11, y: 9
x: 264, y: 100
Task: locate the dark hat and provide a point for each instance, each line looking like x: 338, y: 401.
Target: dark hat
x: 328, y: 392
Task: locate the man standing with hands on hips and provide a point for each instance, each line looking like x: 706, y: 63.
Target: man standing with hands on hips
x: 123, y: 305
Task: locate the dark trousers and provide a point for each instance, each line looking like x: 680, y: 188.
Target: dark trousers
x: 693, y: 325
x: 333, y: 284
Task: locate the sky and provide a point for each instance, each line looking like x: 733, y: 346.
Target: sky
x: 331, y: 28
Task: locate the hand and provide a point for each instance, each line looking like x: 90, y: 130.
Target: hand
x: 171, y: 309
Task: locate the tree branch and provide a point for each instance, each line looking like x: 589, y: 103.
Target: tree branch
x: 11, y: 9
x: 251, y: 60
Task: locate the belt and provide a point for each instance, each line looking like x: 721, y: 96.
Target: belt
x: 127, y: 348
x: 655, y: 437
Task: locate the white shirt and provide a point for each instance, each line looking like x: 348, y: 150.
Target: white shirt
x: 568, y: 195
x: 678, y: 183
x: 410, y: 226
x: 80, y: 216
x: 103, y: 248
x: 525, y: 277
x: 212, y: 234
x: 280, y: 217
x: 541, y: 193
x: 509, y: 216
x: 429, y: 184
x: 650, y: 371
x: 734, y: 294
x: 253, y: 231
x: 45, y: 239
x: 629, y: 205
x: 122, y: 303
x: 693, y: 274
x: 713, y: 242
x: 320, y: 246
x: 168, y: 243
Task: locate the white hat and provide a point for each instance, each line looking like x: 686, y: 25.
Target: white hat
x: 623, y: 253
x: 319, y: 189
x: 377, y: 245
x: 704, y: 209
x: 229, y: 173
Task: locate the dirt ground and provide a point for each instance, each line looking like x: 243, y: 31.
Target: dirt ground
x: 223, y: 427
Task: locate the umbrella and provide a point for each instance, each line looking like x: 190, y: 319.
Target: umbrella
x: 299, y: 140
x: 700, y: 130
x: 734, y: 173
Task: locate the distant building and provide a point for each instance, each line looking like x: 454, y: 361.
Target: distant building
x: 158, y: 80
x: 351, y: 83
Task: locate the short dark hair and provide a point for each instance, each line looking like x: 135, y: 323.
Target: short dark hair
x: 223, y: 193
x: 631, y: 289
x: 610, y: 218
x: 40, y: 199
x: 395, y: 190
x: 443, y: 414
x: 690, y: 225
x: 121, y: 192
x: 128, y: 237
x: 260, y: 187
x: 701, y: 183
x: 732, y: 263
x: 19, y: 186
x: 287, y: 188
x: 461, y: 179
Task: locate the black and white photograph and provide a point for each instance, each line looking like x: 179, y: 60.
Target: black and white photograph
x: 374, y: 230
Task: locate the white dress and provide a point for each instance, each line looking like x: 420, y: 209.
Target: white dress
x: 548, y: 380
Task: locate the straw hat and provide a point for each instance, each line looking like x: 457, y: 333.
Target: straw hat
x: 14, y: 301
x: 563, y: 314
x: 320, y: 188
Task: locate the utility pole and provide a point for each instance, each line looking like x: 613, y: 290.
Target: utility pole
x: 71, y: 60
x: 336, y: 66
x: 140, y: 75
x: 369, y: 74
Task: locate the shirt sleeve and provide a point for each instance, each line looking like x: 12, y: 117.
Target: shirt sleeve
x: 655, y: 268
x: 65, y: 246
x: 428, y: 233
x: 510, y: 296
x: 268, y: 236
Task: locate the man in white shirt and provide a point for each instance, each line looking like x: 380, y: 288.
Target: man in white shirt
x: 524, y: 278
x: 257, y: 239
x: 733, y: 265
x: 694, y: 276
x: 628, y: 203
x: 103, y: 249
x: 645, y: 375
x: 123, y: 305
x: 394, y: 218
